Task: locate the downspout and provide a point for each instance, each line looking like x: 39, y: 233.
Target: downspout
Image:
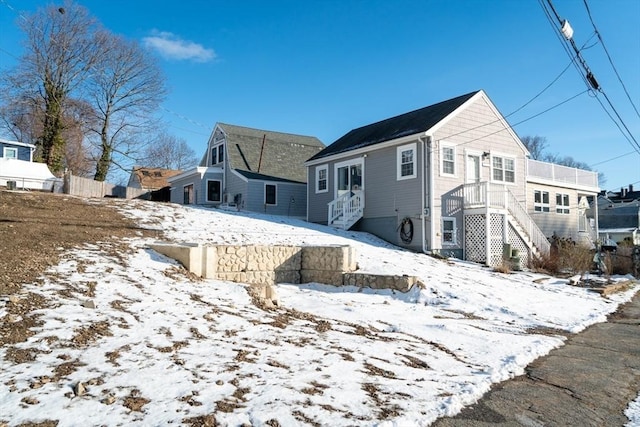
x: 428, y: 186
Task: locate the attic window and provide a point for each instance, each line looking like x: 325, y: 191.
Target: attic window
x: 217, y: 154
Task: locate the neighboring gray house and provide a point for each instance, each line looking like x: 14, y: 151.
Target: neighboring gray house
x: 619, y: 216
x: 450, y: 178
x: 16, y: 150
x: 249, y: 169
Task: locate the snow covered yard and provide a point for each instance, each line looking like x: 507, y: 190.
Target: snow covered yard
x: 151, y: 345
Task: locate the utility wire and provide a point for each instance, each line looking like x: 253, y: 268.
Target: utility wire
x: 591, y: 80
x: 586, y: 5
x: 614, y: 158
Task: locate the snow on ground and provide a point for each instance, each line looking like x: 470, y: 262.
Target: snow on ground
x: 162, y: 348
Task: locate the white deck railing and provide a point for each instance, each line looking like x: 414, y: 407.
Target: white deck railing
x: 488, y: 195
x: 346, y: 208
x: 561, y: 174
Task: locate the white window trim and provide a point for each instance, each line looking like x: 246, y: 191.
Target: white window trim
x: 216, y: 147
x: 454, y: 232
x: 8, y: 149
x: 265, y: 194
x: 324, y: 168
x: 503, y: 157
x: 444, y: 145
x: 414, y: 154
x: 541, y: 204
x: 560, y: 209
x: 214, y: 180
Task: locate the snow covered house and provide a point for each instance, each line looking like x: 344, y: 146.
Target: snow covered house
x: 451, y: 178
x: 18, y: 171
x: 619, y: 216
x: 249, y: 169
x: 16, y: 150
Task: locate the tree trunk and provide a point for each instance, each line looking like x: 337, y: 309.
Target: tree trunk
x: 52, y: 140
x: 104, y: 162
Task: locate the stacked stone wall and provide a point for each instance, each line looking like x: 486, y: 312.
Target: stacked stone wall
x: 268, y: 265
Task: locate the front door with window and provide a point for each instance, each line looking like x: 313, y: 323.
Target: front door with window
x: 349, y: 177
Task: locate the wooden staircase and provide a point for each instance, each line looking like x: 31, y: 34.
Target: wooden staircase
x: 346, y: 210
x: 488, y: 196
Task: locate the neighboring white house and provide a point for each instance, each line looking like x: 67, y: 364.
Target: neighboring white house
x: 451, y: 178
x: 18, y: 171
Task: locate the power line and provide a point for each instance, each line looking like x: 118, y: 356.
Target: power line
x: 567, y: 32
x: 586, y: 5
x: 614, y: 158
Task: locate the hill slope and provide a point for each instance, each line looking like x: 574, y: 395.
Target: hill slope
x: 116, y: 334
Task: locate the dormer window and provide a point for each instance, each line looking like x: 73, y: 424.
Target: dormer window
x: 217, y: 154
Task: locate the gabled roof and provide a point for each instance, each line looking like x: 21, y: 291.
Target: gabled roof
x: 269, y: 153
x: 151, y: 178
x: 410, y: 123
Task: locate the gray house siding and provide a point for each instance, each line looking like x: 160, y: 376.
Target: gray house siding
x: 177, y: 186
x: 473, y: 131
x: 199, y: 184
x: 290, y: 198
x: 388, y: 200
x: 236, y: 189
x: 317, y: 204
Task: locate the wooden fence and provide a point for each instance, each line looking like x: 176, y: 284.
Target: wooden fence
x: 84, y: 187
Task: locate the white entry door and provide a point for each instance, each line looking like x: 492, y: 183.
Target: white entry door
x: 348, y: 178
x: 473, y: 169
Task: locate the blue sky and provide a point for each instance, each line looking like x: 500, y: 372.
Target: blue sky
x: 322, y: 68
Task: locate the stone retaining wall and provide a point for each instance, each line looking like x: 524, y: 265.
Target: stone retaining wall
x: 268, y: 265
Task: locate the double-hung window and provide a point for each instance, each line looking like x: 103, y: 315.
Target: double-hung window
x: 541, y: 201
x: 562, y: 203
x: 448, y: 166
x: 217, y: 154
x: 504, y: 169
x: 322, y: 180
x: 449, y: 231
x: 406, y: 162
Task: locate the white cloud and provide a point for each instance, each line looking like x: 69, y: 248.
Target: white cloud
x: 170, y: 46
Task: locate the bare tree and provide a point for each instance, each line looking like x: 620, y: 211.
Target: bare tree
x: 169, y: 152
x: 126, y: 88
x: 536, y: 145
x: 59, y: 53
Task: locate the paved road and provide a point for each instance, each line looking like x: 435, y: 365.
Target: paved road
x: 587, y: 382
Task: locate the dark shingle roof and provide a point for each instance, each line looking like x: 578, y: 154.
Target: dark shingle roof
x: 409, y: 123
x: 282, y: 155
x: 262, y: 177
